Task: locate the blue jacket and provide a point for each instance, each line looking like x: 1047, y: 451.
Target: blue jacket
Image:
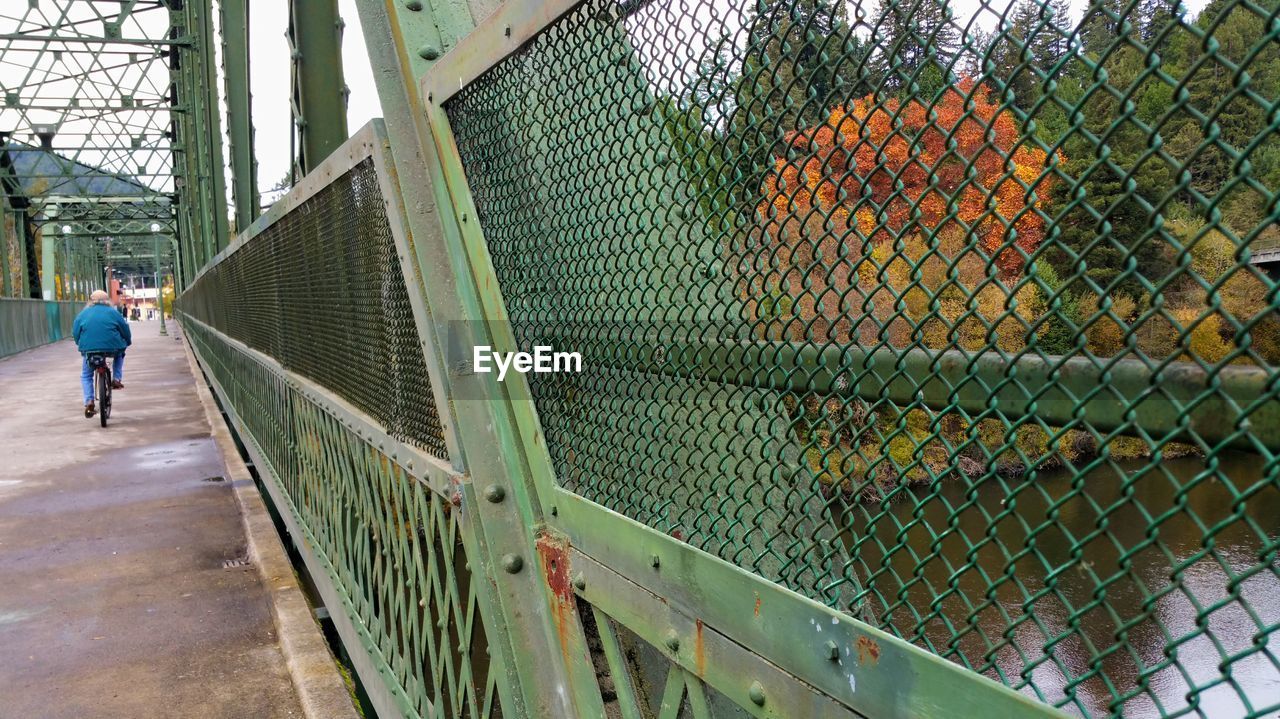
x: 100, y: 328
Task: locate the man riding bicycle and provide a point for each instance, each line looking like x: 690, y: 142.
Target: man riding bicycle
x: 100, y: 329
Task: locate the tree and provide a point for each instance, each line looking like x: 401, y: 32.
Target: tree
x: 1112, y: 230
x: 800, y: 58
x: 880, y: 186
x: 1112, y: 238
x: 918, y: 42
x: 1013, y: 57
x: 1100, y: 26
x: 1236, y: 118
x: 1053, y: 42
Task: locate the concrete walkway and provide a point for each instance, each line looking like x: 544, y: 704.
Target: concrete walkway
x: 114, y: 597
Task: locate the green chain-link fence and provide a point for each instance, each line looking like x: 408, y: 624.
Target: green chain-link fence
x: 944, y: 316
x: 305, y: 329
x: 25, y: 324
x: 320, y: 290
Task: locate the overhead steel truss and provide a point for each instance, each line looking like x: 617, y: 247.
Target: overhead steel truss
x: 110, y: 134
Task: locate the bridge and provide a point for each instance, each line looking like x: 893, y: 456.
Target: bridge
x: 1267, y: 258
x: 663, y: 359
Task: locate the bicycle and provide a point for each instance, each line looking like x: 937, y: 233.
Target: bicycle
x: 101, y: 367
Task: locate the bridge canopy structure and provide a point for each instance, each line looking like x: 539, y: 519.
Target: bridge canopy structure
x: 104, y: 153
x: 927, y: 363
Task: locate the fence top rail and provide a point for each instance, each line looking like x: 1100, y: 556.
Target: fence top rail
x: 509, y: 27
x: 39, y: 299
x: 359, y: 147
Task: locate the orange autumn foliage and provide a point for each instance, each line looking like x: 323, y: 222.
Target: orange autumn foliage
x: 876, y: 172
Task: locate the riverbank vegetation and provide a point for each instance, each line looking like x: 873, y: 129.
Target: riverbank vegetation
x: 1052, y: 186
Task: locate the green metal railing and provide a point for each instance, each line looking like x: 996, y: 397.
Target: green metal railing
x: 925, y: 367
x: 305, y: 329
x: 25, y: 324
x: 916, y: 325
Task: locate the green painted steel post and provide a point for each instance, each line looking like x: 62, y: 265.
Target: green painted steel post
x: 235, y: 59
x: 83, y: 263
x: 65, y: 284
x: 20, y: 229
x: 319, y: 93
x: 48, y: 265
x: 197, y: 139
x: 5, y: 269
x: 207, y: 87
x: 80, y: 262
x: 155, y: 243
x: 543, y: 650
x: 187, y: 147
x: 178, y: 283
x: 202, y: 84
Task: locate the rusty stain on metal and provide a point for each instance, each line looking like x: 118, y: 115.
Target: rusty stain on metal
x: 757, y: 603
x: 554, y: 553
x: 699, y: 654
x: 555, y: 566
x: 868, y: 650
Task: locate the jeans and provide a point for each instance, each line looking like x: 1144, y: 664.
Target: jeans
x: 86, y: 375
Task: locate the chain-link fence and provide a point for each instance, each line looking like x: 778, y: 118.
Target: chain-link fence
x: 947, y: 316
x: 321, y: 291
x: 25, y: 324
x: 333, y: 406
x: 391, y: 547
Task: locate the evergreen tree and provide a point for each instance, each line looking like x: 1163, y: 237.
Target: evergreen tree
x: 1053, y: 42
x: 1118, y: 220
x: 1012, y: 54
x: 801, y: 59
x: 1237, y: 119
x: 977, y: 47
x: 917, y: 41
x: 1154, y: 17
x: 1101, y: 25
x: 1026, y: 52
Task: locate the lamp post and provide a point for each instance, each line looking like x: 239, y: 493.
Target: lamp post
x: 155, y: 246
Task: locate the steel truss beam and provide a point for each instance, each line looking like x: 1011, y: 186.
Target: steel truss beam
x: 319, y: 93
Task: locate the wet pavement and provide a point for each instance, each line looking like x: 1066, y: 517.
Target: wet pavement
x: 123, y: 586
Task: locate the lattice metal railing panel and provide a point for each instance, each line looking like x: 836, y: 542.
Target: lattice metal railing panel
x: 391, y: 546
x: 959, y: 324
x: 321, y: 290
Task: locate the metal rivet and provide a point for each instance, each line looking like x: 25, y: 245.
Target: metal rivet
x: 833, y: 651
x: 414, y: 5
x: 429, y: 52
x: 512, y: 563
x: 756, y: 693
x: 579, y: 581
x: 655, y: 561
x: 494, y: 493
x: 673, y: 640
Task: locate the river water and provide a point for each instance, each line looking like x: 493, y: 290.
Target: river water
x: 1142, y: 580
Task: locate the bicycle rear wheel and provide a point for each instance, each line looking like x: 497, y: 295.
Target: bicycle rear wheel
x: 104, y: 396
